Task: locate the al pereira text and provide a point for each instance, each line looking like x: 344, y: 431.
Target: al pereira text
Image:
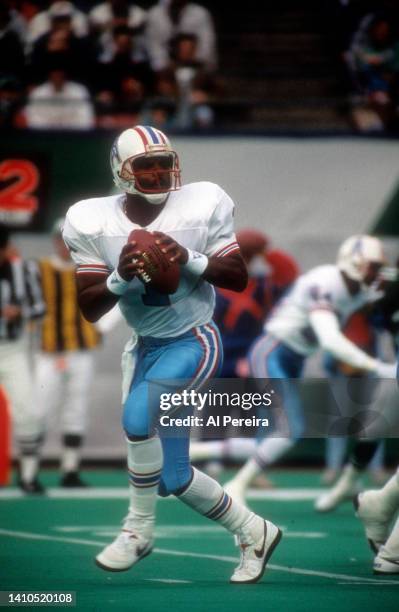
x: 212, y: 421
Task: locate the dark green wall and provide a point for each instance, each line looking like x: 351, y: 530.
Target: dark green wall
x: 77, y: 166
x: 387, y: 223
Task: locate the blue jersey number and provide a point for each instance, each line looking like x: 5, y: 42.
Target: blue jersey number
x: 151, y: 297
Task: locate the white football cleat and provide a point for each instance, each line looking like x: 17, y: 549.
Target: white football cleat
x: 345, y: 488
x: 126, y: 550
x: 376, y: 519
x: 236, y: 491
x: 257, y: 544
x: 385, y: 566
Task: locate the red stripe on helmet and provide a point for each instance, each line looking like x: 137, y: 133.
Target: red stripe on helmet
x: 161, y: 136
x: 142, y: 135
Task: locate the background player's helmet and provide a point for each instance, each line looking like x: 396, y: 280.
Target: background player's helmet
x: 357, y: 253
x: 131, y: 157
x: 251, y: 242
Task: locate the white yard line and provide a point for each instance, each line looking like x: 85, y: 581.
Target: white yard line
x: 172, y: 531
x: 169, y: 580
x: 176, y: 553
x: 288, y: 495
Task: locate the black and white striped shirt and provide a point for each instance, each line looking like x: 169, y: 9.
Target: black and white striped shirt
x: 19, y: 286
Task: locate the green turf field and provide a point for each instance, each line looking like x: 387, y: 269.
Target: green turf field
x: 322, y: 564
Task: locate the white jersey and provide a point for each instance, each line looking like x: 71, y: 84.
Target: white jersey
x: 321, y: 288
x: 199, y: 216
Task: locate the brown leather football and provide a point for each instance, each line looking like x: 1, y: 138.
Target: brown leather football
x: 160, y: 273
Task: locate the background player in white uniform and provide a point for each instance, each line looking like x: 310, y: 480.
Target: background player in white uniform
x: 177, y: 339
x: 310, y: 318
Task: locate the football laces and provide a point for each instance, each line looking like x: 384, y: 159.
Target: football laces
x: 146, y: 278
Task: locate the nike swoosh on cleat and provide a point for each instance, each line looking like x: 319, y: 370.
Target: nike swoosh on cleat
x: 143, y: 551
x: 260, y: 552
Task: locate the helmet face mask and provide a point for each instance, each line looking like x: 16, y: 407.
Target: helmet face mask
x: 152, y: 172
x: 143, y: 163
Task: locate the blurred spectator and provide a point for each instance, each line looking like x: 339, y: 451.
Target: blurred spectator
x: 59, y: 103
x: 27, y: 10
x: 171, y: 17
x: 108, y: 16
x: 158, y: 112
x: 341, y: 19
x: 195, y: 85
x: 122, y: 82
x: 121, y: 65
x: 185, y: 89
x: 12, y: 58
x: 16, y: 22
x: 373, y: 61
x: 11, y: 101
x: 60, y: 43
x: 58, y: 11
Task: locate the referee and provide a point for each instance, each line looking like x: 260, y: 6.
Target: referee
x: 20, y: 301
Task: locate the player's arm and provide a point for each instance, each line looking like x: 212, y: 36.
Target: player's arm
x: 98, y: 287
x: 94, y: 297
x: 326, y: 327
x: 99, y: 292
x: 228, y: 272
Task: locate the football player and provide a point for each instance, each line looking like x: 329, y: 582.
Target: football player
x: 307, y: 319
x: 176, y: 336
x: 377, y: 510
x: 65, y: 363
x: 383, y: 315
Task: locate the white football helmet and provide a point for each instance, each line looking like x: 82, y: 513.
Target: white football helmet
x: 133, y: 155
x: 357, y: 253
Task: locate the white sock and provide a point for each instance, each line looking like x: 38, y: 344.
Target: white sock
x: 28, y: 467
x: 212, y: 449
x: 271, y: 449
x: 240, y: 448
x: 267, y: 452
x: 390, y: 550
x: 70, y: 459
x: 145, y: 460
x: 207, y: 497
x: 247, y: 473
x: 346, y: 482
x: 390, y: 493
x: 232, y: 448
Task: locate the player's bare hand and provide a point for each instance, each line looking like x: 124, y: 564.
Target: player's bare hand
x: 130, y: 264
x: 170, y: 247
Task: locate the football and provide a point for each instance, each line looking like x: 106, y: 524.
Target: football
x: 160, y: 273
